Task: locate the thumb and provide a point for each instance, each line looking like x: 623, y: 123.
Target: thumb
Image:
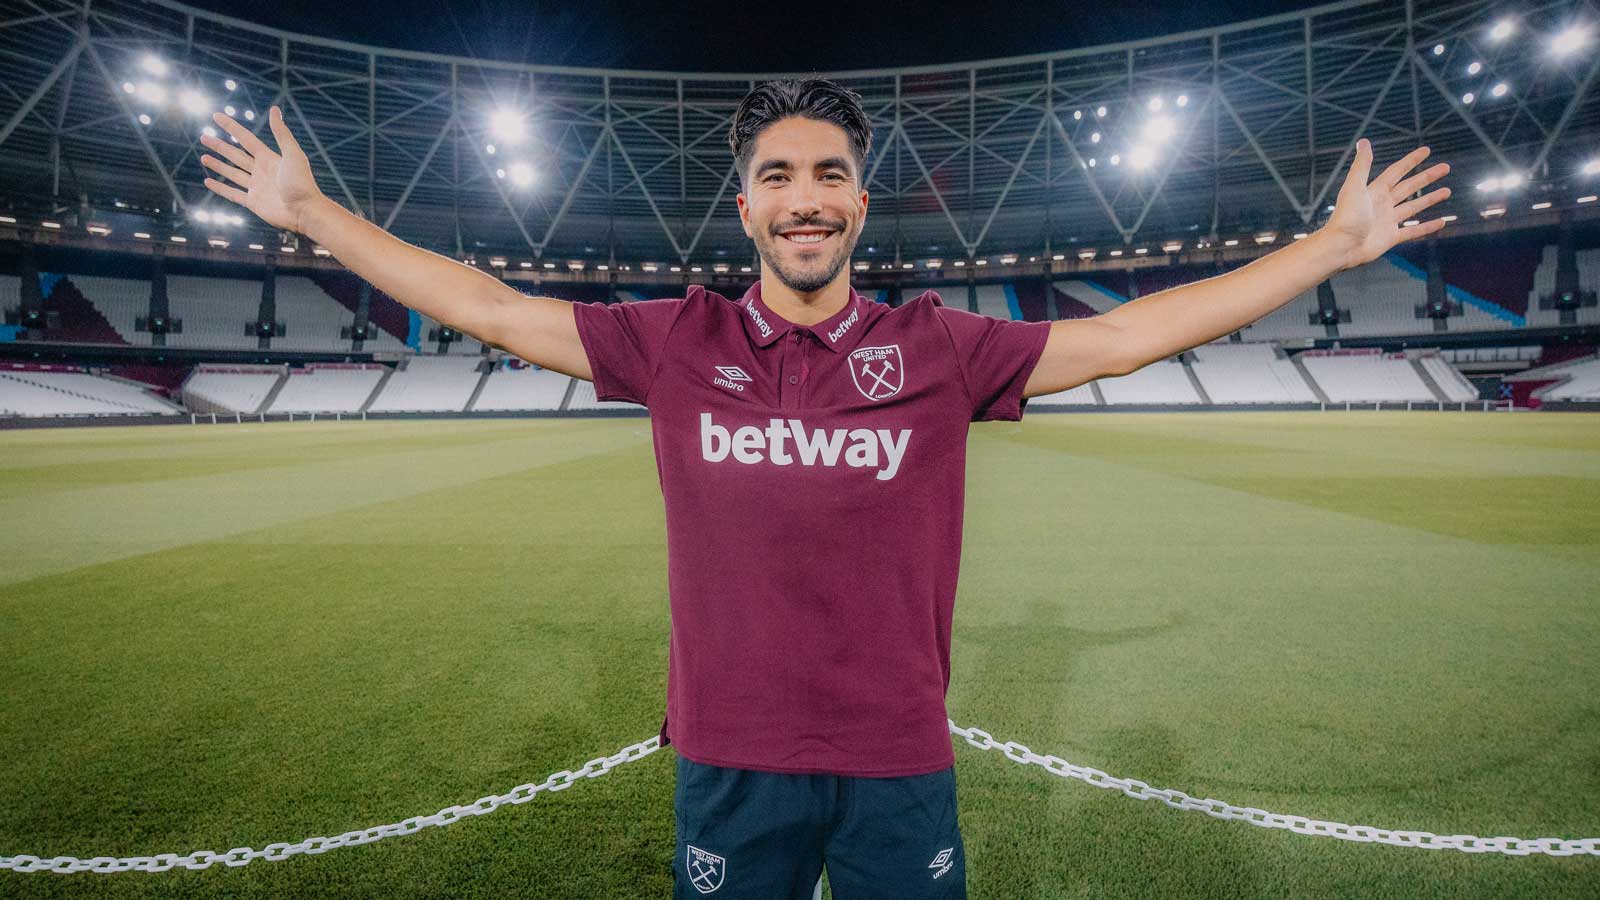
x: 1361, y: 168
x: 280, y: 131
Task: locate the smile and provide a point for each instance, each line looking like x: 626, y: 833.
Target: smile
x: 807, y: 239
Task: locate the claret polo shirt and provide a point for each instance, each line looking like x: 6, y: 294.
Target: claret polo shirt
x: 814, y: 479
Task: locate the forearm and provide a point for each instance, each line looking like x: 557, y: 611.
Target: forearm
x: 434, y: 285
x: 1168, y: 322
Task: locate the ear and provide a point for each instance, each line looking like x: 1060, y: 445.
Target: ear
x: 744, y: 213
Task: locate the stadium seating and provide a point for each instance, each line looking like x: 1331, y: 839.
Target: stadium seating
x: 430, y: 384
x: 214, y: 311
x: 1160, y: 382
x: 33, y: 392
x: 527, y: 388
x: 1366, y: 378
x: 1082, y: 395
x: 312, y: 320
x: 583, y: 398
x: 1451, y: 382
x: 327, y: 389
x: 1544, y: 284
x: 1580, y: 380
x: 121, y: 301
x: 1249, y: 373
x: 240, y: 389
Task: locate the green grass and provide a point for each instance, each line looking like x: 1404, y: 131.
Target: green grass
x: 213, y: 637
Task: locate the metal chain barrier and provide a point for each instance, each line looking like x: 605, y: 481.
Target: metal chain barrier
x: 240, y: 856
x: 1366, y: 834
x: 977, y: 737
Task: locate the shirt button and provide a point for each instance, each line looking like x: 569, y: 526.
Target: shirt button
x: 794, y: 379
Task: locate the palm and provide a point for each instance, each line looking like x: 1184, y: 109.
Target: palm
x: 278, y: 187
x: 1369, y: 219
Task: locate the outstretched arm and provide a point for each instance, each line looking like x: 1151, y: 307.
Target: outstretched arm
x: 279, y: 188
x: 1366, y: 223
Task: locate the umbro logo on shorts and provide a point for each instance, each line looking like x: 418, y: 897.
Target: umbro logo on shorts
x: 705, y: 869
x: 942, y: 861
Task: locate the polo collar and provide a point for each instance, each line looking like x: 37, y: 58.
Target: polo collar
x: 839, y: 332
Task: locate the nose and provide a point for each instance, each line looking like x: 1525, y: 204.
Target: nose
x: 803, y: 203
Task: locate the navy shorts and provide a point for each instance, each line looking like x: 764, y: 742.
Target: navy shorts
x: 746, y: 835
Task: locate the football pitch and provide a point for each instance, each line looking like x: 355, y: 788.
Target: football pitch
x: 229, y: 636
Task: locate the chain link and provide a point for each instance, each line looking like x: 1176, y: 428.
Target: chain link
x: 1138, y: 790
x: 977, y: 737
x: 239, y: 856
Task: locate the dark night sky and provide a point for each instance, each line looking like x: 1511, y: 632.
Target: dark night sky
x: 740, y: 37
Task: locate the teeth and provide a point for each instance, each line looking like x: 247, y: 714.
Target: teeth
x: 806, y: 238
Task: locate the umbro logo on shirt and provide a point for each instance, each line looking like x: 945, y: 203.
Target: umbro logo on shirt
x: 730, y: 375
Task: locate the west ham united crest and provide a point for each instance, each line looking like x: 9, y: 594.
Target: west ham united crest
x: 879, y: 372
x: 705, y: 869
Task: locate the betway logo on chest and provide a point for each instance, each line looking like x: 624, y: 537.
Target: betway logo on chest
x: 859, y: 448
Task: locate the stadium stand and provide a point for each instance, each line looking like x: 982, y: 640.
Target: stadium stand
x: 1544, y: 283
x: 213, y: 311
x: 328, y: 388
x: 1082, y: 395
x: 121, y: 301
x: 430, y: 384
x: 583, y: 398
x: 1249, y: 373
x: 1090, y: 294
x: 1366, y: 376
x: 1166, y: 381
x: 993, y: 301
x: 522, y: 388
x: 230, y: 389
x: 1455, y: 386
x: 312, y: 320
x: 27, y: 390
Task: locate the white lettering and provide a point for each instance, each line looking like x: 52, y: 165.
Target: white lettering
x: 844, y: 326
x: 755, y: 315
x: 727, y: 384
x: 867, y: 448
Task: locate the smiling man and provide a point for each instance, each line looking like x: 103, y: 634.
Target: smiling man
x: 811, y: 446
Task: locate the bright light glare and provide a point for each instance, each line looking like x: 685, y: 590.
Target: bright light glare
x: 1475, y: 68
x: 153, y: 64
x: 1100, y: 111
x: 230, y: 84
x: 1569, y: 41
x: 507, y: 125
x: 129, y: 87
x: 144, y: 119
x: 249, y: 115
x: 1592, y: 167
x: 150, y: 92
x: 521, y: 174
x: 1500, y: 89
x: 1502, y: 30
x: 1468, y: 97
x: 1438, y: 49
x: 1094, y: 138
x: 1141, y: 157
x: 1183, y: 99
x: 194, y: 103
x: 1155, y: 104
x: 1159, y: 130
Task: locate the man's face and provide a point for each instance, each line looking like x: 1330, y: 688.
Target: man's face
x: 803, y: 183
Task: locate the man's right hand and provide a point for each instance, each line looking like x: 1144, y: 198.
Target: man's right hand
x: 277, y: 187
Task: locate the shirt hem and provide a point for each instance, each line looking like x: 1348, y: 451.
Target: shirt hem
x: 899, y: 772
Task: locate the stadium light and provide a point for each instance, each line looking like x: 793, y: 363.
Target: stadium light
x: 1543, y: 204
x: 1301, y: 235
x: 1116, y: 253
x: 1569, y: 41
x: 1116, y: 159
x: 144, y: 119
x: 209, y: 131
x: 129, y: 87
x: 320, y: 251
x: 231, y: 85
x: 1489, y: 184
x: 1086, y: 254
x: 1589, y: 199
x: 1410, y: 222
x: 1155, y: 104
x: 521, y: 174
x: 229, y: 110
x: 1511, y: 182
x: 1172, y: 247
x: 153, y: 93
x: 1141, y: 158
x: 1094, y: 138
x: 201, y: 215
x: 1438, y: 49
x: 1058, y: 257
x: 249, y: 115
x: 1499, y: 90
x: 935, y: 263
x: 863, y: 266
x: 719, y: 268
x: 142, y: 235
x: 1474, y: 68
x: 1502, y: 30
x: 99, y: 229
x: 489, y: 149
x: 153, y: 64
x: 553, y: 265
x: 1077, y: 115
x: 1100, y: 112
x: 981, y: 262
x: 906, y: 265
x: 257, y: 247
x: 1159, y: 130
x: 1091, y: 162
x: 1468, y: 97
x: 1493, y: 211
x: 507, y: 125
x: 219, y: 243
x: 1449, y: 218
x: 497, y: 262
x: 1592, y: 167
x: 179, y: 239
x: 1183, y: 99
x: 745, y: 269
x: 694, y: 268
x: 1231, y: 242
x: 1266, y: 238
x: 1141, y: 251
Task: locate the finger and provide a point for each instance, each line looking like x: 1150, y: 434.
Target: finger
x: 1361, y: 167
x: 280, y: 131
x: 1412, y: 207
x: 239, y: 177
x: 1398, y: 170
x: 227, y: 193
x: 236, y: 156
x: 1419, y: 181
x: 1412, y: 232
x: 250, y: 142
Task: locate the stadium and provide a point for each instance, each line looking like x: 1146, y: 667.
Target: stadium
x: 289, y: 558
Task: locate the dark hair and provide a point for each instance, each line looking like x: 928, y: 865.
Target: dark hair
x: 811, y: 98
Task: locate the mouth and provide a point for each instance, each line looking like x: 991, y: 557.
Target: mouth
x: 807, y: 239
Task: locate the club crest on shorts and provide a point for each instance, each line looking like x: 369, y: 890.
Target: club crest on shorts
x: 705, y: 869
x: 879, y: 372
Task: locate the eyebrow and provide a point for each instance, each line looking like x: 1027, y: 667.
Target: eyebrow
x: 831, y: 162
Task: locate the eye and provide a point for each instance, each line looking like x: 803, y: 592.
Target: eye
x: 834, y: 175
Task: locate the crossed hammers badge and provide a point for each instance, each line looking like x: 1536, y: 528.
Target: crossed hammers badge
x: 878, y: 372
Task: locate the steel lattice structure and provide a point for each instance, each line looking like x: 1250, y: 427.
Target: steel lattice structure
x: 969, y: 160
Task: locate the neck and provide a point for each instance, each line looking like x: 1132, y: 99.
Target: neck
x: 808, y: 308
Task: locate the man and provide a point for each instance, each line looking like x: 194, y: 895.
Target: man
x: 811, y: 448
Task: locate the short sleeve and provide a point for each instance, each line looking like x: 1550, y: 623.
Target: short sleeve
x: 995, y: 356
x: 624, y: 343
